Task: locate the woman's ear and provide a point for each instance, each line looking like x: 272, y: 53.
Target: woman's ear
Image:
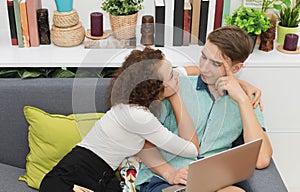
x: 237, y: 67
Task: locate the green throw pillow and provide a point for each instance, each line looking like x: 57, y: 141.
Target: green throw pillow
x: 50, y: 138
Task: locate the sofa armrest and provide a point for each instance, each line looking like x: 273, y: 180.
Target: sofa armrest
x: 264, y: 180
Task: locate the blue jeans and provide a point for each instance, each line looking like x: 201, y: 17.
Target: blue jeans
x: 156, y: 184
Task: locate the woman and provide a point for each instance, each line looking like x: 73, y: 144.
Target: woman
x: 144, y: 78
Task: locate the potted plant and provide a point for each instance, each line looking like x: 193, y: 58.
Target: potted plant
x: 252, y: 20
x: 288, y: 21
x: 274, y: 4
x: 123, y: 16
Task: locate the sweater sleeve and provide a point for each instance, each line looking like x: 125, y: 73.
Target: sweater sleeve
x: 145, y: 124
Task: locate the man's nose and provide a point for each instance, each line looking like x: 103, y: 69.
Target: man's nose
x: 204, y: 66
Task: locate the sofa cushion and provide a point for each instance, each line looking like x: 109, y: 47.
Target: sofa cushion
x: 9, y: 179
x: 50, y: 137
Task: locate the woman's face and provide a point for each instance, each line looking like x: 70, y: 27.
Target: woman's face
x: 170, y: 78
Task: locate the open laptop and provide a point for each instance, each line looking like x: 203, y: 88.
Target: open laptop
x: 221, y: 170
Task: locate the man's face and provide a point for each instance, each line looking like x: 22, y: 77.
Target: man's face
x: 211, y: 63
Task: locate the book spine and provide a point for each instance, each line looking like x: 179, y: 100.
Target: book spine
x: 226, y: 11
x: 218, y: 14
x: 159, y: 26
x: 24, y: 23
x: 18, y: 23
x: 196, y: 5
x: 203, y: 22
x: 32, y: 6
x: 43, y: 26
x: 12, y: 22
x: 187, y: 24
x: 178, y: 22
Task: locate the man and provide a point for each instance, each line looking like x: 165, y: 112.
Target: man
x: 219, y: 107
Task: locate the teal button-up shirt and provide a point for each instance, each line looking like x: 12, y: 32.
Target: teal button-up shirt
x: 218, y: 123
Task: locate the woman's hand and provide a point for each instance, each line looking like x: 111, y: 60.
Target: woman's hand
x: 251, y: 90
x: 78, y: 188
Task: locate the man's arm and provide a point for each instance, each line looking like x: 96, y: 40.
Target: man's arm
x: 251, y: 126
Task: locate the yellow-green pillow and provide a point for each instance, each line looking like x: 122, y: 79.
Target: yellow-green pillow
x: 50, y: 137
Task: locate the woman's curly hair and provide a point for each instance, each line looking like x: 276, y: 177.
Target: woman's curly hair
x: 138, y: 81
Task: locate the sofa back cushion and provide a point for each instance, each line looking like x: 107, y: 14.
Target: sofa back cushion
x: 60, y: 96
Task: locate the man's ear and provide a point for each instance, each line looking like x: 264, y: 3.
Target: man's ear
x: 237, y: 67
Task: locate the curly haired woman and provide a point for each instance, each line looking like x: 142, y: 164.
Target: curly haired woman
x: 144, y: 78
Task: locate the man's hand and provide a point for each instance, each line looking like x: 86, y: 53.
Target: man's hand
x: 178, y: 176
x: 230, y: 84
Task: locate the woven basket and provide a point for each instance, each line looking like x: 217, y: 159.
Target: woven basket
x: 65, y: 19
x: 123, y: 27
x: 67, y: 37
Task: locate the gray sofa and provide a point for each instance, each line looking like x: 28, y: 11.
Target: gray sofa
x: 65, y: 96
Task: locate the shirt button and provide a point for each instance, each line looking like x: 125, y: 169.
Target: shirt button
x: 100, y: 181
x: 105, y: 173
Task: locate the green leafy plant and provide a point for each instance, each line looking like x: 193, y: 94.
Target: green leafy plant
x: 26, y: 73
x: 122, y: 7
x: 253, y: 21
x: 289, y: 16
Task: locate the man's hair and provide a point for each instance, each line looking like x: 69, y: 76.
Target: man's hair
x: 233, y: 42
x: 138, y: 80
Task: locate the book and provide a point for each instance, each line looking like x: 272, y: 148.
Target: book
x: 196, y: 5
x: 211, y: 16
x: 187, y: 24
x: 159, y: 34
x: 226, y: 11
x: 169, y: 17
x: 18, y: 23
x: 203, y: 22
x: 24, y: 23
x: 178, y: 22
x: 12, y: 22
x: 32, y: 6
x: 218, y: 14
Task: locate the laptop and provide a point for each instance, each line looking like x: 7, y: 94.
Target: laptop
x: 221, y: 170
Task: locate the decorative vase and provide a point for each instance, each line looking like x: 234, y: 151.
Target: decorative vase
x: 64, y: 5
x: 282, y: 31
x: 123, y: 27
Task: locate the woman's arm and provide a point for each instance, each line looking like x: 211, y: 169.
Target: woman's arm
x: 154, y: 161
x: 186, y: 128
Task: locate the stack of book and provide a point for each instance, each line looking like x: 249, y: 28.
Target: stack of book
x: 187, y: 21
x: 23, y: 22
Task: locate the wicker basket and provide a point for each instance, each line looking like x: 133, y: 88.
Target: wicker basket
x: 67, y: 37
x: 65, y: 19
x: 123, y: 27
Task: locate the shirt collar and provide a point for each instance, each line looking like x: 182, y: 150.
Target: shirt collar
x: 203, y: 86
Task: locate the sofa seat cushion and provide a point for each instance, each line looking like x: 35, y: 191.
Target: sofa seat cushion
x: 9, y: 179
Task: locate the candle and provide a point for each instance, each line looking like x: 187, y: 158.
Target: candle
x: 290, y: 42
x: 96, y: 24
